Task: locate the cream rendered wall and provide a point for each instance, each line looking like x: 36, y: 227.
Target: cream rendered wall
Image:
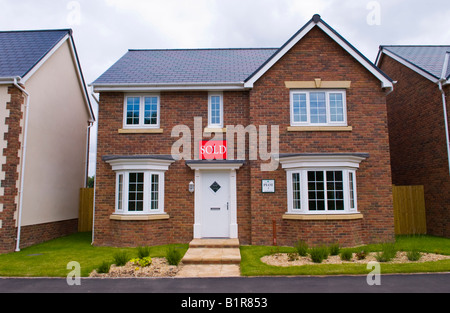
x: 56, y: 147
x: 4, y: 113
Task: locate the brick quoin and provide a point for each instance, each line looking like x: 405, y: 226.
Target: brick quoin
x: 314, y: 56
x: 418, y: 142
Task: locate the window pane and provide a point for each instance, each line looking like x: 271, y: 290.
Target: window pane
x: 151, y: 111
x: 215, y: 110
x: 154, y: 192
x: 336, y: 107
x: 352, y: 191
x: 318, y: 107
x: 133, y: 107
x: 136, y: 192
x: 335, y: 191
x: 296, y: 191
x: 120, y: 194
x: 316, y: 191
x: 299, y: 107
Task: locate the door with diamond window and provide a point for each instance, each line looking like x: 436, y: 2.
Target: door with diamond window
x: 215, y: 204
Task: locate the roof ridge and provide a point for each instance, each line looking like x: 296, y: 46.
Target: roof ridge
x: 202, y: 49
x: 37, y: 30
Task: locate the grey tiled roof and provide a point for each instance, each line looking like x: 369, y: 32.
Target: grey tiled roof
x: 20, y: 51
x: 428, y: 58
x: 185, y: 66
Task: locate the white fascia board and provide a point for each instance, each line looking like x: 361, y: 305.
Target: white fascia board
x: 7, y: 80
x: 385, y: 83
x: 279, y: 55
x: 215, y: 165
x: 332, y: 161
x: 44, y: 59
x: 409, y: 65
x: 167, y: 87
x: 140, y: 164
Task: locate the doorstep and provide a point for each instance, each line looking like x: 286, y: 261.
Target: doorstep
x: 211, y: 258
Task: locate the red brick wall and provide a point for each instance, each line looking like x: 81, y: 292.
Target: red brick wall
x: 34, y: 234
x: 316, y: 56
x: 177, y: 108
x: 418, y: 143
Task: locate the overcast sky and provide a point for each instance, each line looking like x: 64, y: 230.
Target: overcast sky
x: 105, y: 29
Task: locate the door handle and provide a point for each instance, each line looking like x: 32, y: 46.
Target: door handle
x: 227, y: 206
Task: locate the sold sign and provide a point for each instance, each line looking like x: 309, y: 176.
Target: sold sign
x: 213, y: 150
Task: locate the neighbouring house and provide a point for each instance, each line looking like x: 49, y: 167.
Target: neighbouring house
x: 264, y: 145
x: 418, y: 125
x: 45, y: 114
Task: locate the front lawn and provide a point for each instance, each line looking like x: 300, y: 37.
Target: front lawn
x: 50, y: 259
x: 252, y: 265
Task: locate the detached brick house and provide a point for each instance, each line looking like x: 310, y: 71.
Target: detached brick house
x: 45, y: 115
x: 317, y: 99
x: 418, y: 125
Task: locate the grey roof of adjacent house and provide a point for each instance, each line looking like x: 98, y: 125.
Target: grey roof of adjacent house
x: 186, y: 65
x: 20, y: 51
x: 427, y: 58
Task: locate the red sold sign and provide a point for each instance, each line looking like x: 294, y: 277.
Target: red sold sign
x: 213, y: 150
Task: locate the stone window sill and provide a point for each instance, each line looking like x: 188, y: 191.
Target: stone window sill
x: 141, y: 131
x: 323, y: 217
x: 149, y: 217
x: 319, y: 128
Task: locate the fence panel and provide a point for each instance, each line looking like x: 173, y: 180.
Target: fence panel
x: 409, y: 210
x: 85, y: 217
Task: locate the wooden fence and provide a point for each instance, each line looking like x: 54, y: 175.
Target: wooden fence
x: 409, y: 210
x: 85, y: 216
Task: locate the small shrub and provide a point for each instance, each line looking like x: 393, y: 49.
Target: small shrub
x: 413, y: 255
x: 346, y: 255
x: 120, y: 258
x: 104, y: 267
x: 318, y: 254
x: 143, y: 252
x: 292, y: 256
x: 388, y: 252
x: 173, y: 255
x: 361, y: 254
x: 142, y: 262
x: 334, y: 249
x: 302, y: 248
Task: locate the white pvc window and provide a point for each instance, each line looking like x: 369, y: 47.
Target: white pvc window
x: 139, y: 192
x: 215, y: 110
x: 142, y: 111
x: 321, y: 191
x: 318, y: 108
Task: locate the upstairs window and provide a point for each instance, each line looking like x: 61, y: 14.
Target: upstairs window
x: 142, y: 111
x: 215, y: 110
x: 318, y: 108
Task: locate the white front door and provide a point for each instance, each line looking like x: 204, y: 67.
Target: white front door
x: 216, y: 204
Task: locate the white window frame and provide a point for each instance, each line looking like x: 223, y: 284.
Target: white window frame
x: 221, y: 123
x: 327, y: 92
x: 304, y: 195
x: 141, y: 124
x: 147, y: 193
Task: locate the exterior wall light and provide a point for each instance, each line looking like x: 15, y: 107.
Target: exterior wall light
x: 191, y: 187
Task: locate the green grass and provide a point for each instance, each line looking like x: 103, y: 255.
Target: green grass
x: 251, y: 264
x: 50, y: 259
